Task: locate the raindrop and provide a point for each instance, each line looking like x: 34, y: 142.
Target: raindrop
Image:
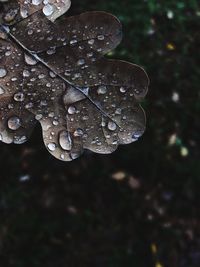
x: 8, y: 53
x: 102, y: 90
x: 30, y: 32
x: 36, y: 2
x: 122, y: 89
x: 51, y: 146
x: 30, y: 60
x: 52, y: 74
x: 80, y: 62
x: 100, y: 37
x: 78, y: 132
x: 91, y: 42
x: 19, y: 97
x: 73, y: 42
x: 14, y: 123
x: 72, y: 95
x: 1, y: 91
x: 71, y: 110
x: 20, y: 139
x: 48, y: 10
x: 65, y: 140
x: 26, y: 73
x: 112, y: 126
x: 38, y: 117
x: 3, y: 72
x: 55, y: 123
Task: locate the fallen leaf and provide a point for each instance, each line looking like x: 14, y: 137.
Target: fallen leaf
x: 56, y: 73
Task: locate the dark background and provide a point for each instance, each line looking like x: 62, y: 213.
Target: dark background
x: 139, y: 206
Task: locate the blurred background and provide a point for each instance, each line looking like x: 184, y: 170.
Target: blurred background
x: 139, y: 206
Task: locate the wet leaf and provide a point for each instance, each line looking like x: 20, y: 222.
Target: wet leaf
x: 56, y: 73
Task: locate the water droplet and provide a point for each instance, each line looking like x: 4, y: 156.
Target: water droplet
x: 122, y: 89
x: 24, y: 12
x: 71, y: 110
x: 26, y: 73
x: 91, y: 42
x: 38, y: 117
x: 30, y: 32
x: 78, y: 132
x: 100, y: 37
x: 14, y: 123
x: 81, y: 62
x: 73, y: 42
x: 3, y: 72
x: 30, y: 60
x: 20, y: 139
x: 65, y: 140
x: 41, y: 76
x: 51, y: 146
x: 55, y: 123
x: 72, y: 95
x: 19, y: 97
x: 1, y: 91
x: 52, y: 74
x: 36, y: 2
x: 29, y: 105
x: 118, y: 111
x: 102, y: 90
x: 112, y: 126
x: 48, y: 10
x: 8, y: 53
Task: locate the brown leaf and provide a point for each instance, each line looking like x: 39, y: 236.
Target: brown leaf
x: 56, y: 73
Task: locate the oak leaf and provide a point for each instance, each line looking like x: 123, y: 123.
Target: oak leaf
x: 56, y: 72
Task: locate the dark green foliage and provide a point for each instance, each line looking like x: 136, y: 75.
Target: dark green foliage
x: 75, y: 214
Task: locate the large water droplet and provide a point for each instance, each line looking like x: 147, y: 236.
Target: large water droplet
x: 65, y: 140
x: 48, y: 10
x: 3, y: 72
x: 14, y: 123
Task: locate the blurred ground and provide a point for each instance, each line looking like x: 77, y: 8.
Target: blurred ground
x: 138, y: 207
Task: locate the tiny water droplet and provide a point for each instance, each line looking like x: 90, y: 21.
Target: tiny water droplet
x: 102, y: 90
x: 112, y: 126
x: 19, y: 97
x: 100, y: 37
x: 71, y: 110
x: 122, y: 89
x: 51, y: 146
